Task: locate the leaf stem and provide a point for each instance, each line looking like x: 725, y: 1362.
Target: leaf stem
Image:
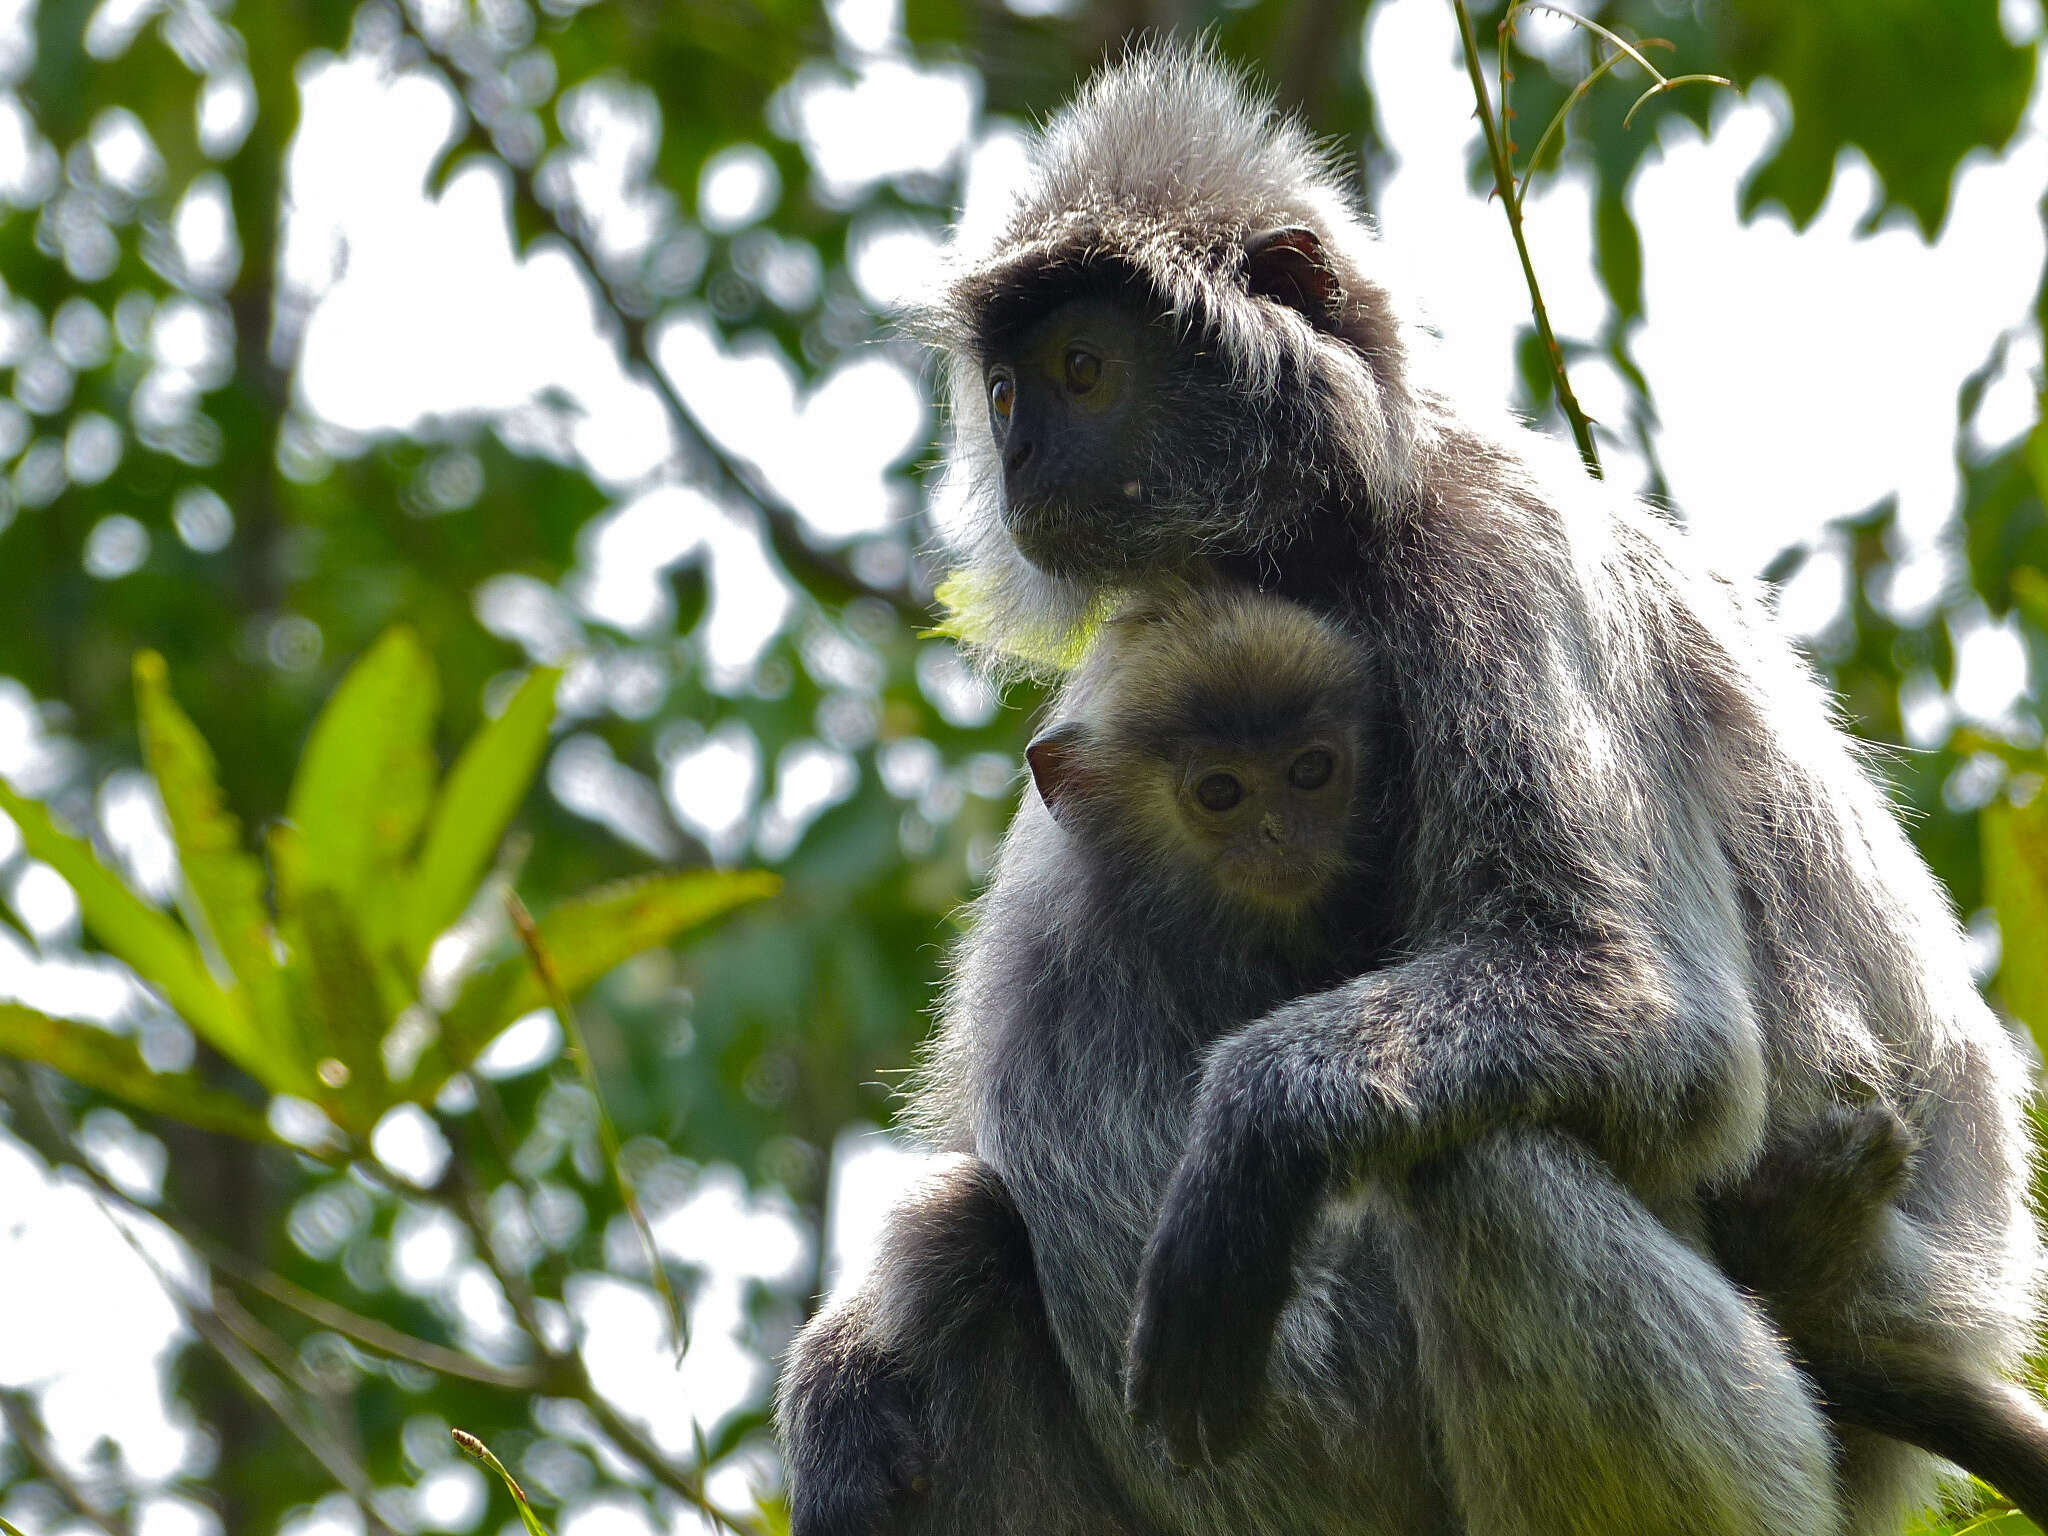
x: 608, y: 1136
x: 1504, y: 184
x: 476, y: 1450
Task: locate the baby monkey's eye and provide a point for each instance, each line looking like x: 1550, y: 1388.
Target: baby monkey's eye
x: 1312, y: 769
x: 1218, y: 791
x: 1084, y: 370
x: 1002, y: 394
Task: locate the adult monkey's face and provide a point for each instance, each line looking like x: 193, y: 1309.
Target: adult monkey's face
x: 1077, y: 408
x: 1124, y: 440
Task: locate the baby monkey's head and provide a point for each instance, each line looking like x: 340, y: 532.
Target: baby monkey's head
x: 1213, y: 739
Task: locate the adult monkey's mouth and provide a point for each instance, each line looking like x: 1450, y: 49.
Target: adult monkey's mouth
x: 1064, y: 538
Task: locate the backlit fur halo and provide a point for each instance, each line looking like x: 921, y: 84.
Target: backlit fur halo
x: 1153, y: 178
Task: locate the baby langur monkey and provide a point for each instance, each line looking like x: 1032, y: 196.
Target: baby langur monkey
x: 1219, y: 748
x: 1210, y: 770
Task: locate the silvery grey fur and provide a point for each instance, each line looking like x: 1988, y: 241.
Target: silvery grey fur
x: 1656, y: 913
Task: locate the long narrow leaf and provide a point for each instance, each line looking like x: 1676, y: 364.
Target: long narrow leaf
x: 367, y: 776
x: 589, y: 935
x: 344, y: 1016
x: 113, y: 1065
x: 225, y: 880
x: 482, y: 792
x: 158, y: 949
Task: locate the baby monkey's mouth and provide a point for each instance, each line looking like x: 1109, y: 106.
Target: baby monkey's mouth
x: 1279, y: 881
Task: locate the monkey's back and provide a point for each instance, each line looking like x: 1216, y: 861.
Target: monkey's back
x: 1857, y: 967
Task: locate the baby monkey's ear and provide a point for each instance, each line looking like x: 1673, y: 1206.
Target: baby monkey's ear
x: 1058, y: 756
x: 1288, y: 266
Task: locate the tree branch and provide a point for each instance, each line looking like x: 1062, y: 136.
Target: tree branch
x: 819, y: 570
x: 572, y: 1377
x: 275, y: 1395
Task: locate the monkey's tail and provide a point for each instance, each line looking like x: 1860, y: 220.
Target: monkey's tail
x: 1994, y: 1429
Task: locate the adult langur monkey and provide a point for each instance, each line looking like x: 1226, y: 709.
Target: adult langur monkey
x: 1654, y: 916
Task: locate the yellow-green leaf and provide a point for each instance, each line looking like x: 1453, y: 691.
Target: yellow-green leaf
x: 225, y: 881
x: 589, y: 935
x: 482, y: 792
x: 2016, y: 879
x: 113, y: 1065
x: 367, y: 776
x: 159, y: 950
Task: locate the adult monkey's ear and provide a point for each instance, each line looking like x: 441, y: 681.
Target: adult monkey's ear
x: 1288, y: 266
x: 1058, y: 757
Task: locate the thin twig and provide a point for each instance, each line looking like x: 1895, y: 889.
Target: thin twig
x: 367, y: 1331
x: 608, y: 1136
x: 255, y: 1377
x: 1556, y: 124
x: 1504, y: 184
x: 575, y: 1380
x: 277, y: 1397
x: 263, y: 1384
x: 381, y: 1337
x: 1659, y: 81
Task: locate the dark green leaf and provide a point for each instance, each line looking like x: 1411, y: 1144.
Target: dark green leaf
x: 344, y: 1012
x: 587, y: 936
x: 1914, y: 84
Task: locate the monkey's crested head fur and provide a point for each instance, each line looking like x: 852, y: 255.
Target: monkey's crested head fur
x: 1208, y: 751
x: 1169, y: 191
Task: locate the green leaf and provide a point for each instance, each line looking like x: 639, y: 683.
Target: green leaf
x: 589, y: 935
x: 226, y: 882
x: 367, y: 776
x: 482, y: 792
x: 1915, y: 84
x: 156, y: 947
x: 112, y: 1064
x: 2016, y: 880
x: 345, y: 1019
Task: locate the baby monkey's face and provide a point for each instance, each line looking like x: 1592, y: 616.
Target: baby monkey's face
x: 1269, y: 821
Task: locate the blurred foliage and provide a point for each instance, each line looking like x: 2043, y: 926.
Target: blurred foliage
x: 168, y: 490
x: 319, y: 994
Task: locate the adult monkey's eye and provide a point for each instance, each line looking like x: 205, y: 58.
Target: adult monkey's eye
x: 1084, y: 370
x: 1312, y: 769
x: 1002, y: 393
x: 1218, y: 791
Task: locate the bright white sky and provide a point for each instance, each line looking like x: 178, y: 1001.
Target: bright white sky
x: 1789, y: 397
